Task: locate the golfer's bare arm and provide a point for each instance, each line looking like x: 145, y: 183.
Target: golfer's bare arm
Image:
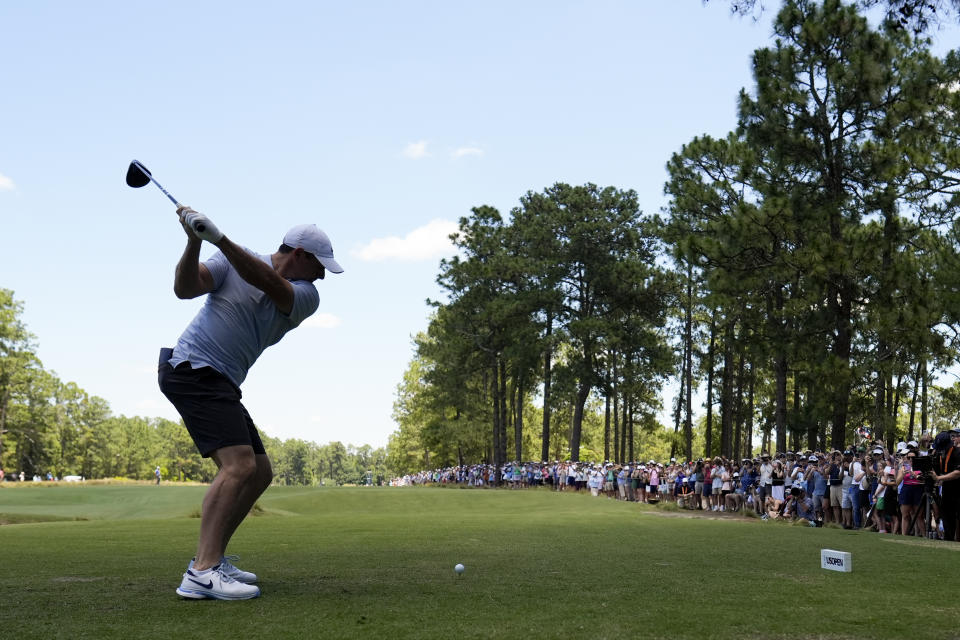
x: 258, y: 273
x: 191, y: 278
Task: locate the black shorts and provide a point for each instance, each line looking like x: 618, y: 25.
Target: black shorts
x: 210, y: 406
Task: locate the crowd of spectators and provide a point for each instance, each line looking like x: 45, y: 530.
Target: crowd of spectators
x: 913, y: 490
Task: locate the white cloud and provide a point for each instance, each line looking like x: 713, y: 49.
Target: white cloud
x: 416, y: 150
x: 6, y: 184
x: 467, y: 151
x: 427, y: 242
x: 322, y: 321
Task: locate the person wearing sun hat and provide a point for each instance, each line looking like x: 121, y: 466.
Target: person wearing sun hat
x: 911, y: 493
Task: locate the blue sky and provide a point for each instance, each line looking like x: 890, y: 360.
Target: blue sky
x: 381, y: 122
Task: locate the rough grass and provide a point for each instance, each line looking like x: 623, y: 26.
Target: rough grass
x: 378, y: 563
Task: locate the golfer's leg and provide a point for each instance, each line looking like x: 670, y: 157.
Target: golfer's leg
x: 238, y: 467
x: 249, y: 494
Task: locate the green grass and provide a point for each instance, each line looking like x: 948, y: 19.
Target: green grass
x: 378, y: 563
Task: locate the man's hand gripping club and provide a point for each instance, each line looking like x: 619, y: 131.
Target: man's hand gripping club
x: 199, y: 225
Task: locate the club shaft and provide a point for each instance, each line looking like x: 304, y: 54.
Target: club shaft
x: 165, y: 192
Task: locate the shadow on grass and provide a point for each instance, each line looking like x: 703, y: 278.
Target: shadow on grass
x: 29, y: 518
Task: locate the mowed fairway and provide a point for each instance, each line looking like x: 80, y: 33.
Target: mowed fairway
x: 378, y: 563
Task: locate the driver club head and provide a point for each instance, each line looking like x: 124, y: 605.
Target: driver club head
x: 137, y: 175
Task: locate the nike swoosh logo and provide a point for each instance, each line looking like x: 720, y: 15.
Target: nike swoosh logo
x: 208, y: 585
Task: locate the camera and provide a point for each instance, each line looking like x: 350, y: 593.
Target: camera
x: 923, y: 463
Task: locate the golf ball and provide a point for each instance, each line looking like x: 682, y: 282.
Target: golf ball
x: 458, y: 568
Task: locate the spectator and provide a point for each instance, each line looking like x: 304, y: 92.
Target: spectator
x: 946, y: 474
x: 801, y: 506
x: 857, y: 477
x: 726, y: 485
x: 765, y: 483
x: 911, y: 493
x: 654, y: 481
x: 733, y: 498
x: 777, y: 481
x: 925, y: 444
x: 817, y: 487
x: 700, y: 487
x: 716, y: 483
x: 623, y: 480
x: 835, y: 484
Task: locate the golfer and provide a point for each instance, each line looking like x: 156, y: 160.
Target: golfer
x: 252, y: 301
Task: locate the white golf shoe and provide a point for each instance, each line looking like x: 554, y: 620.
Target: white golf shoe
x: 235, y: 572
x: 214, y: 583
x: 228, y: 568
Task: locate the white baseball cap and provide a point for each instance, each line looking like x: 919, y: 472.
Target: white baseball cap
x: 312, y: 240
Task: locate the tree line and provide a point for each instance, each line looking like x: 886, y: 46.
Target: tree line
x: 804, y: 277
x: 51, y: 426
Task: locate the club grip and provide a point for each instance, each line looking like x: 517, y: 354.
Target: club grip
x: 200, y: 227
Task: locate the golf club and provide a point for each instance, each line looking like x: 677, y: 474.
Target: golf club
x: 138, y: 176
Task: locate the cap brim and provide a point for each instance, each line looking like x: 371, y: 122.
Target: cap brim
x: 330, y: 264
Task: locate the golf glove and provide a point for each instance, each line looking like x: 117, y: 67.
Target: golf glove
x: 198, y: 221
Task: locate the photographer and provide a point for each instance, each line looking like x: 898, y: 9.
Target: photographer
x: 800, y: 506
x: 946, y: 473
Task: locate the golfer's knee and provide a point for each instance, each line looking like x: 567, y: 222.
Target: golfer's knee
x: 264, y: 477
x: 242, y: 469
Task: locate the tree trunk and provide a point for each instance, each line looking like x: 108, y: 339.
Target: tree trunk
x: 616, y: 417
x: 503, y: 410
x: 893, y: 402
x: 913, y: 407
x: 780, y: 403
x: 4, y: 401
x: 840, y: 298
x: 606, y: 423
x: 797, y: 412
x: 738, y: 427
x: 923, y: 400
x: 896, y: 397
x: 774, y: 310
x: 880, y: 404
x: 708, y: 445
x: 497, y: 461
x: 547, y: 357
x: 813, y: 426
x: 688, y: 339
x: 518, y: 419
x: 749, y: 433
x: 678, y: 413
x: 623, y: 430
x: 726, y: 393
x: 583, y: 392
